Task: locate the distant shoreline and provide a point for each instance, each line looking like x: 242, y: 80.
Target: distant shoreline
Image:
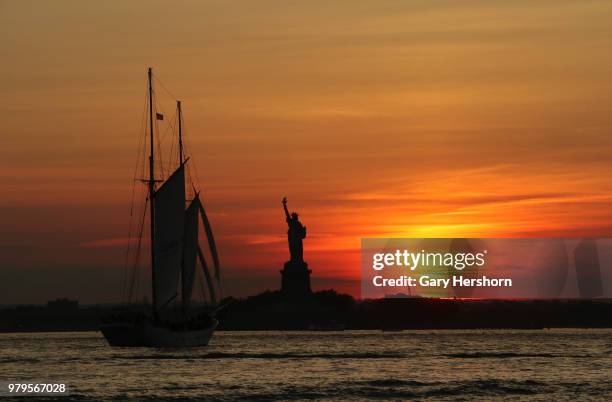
x: 330, y: 311
x: 59, y: 331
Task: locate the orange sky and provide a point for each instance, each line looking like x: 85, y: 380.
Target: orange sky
x: 375, y: 118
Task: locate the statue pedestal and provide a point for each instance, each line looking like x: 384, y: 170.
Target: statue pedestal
x: 295, y: 281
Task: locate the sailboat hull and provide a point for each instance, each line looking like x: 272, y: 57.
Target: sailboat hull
x: 148, y: 334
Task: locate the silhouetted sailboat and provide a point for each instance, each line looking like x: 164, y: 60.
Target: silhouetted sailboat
x: 175, y: 250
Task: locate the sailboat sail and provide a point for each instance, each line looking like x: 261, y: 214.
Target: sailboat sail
x: 211, y: 242
x: 169, y: 225
x: 211, y: 287
x: 190, y: 250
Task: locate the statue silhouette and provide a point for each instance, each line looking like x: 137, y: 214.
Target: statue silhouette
x: 295, y: 234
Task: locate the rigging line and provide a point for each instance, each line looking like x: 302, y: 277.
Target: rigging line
x: 160, y: 161
x: 165, y: 170
x: 189, y: 182
x: 186, y: 155
x: 220, y: 284
x: 172, y: 157
x: 200, y: 276
x: 141, y: 195
x: 201, y: 282
x: 131, y: 221
x: 137, y: 256
x: 187, y: 141
x: 172, y: 148
x: 138, y: 253
x: 143, y: 151
x: 164, y: 87
x: 187, y: 152
x: 171, y: 128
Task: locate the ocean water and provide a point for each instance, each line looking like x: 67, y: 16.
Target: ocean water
x: 351, y: 365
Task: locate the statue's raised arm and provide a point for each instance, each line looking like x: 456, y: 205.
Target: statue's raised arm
x: 295, y: 234
x: 285, y: 207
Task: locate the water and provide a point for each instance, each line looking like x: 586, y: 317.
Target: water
x: 428, y: 365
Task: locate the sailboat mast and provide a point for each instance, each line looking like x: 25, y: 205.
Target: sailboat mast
x: 180, y: 131
x: 151, y: 193
x: 180, y: 141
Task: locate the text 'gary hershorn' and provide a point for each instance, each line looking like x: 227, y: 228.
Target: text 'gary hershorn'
x: 412, y: 261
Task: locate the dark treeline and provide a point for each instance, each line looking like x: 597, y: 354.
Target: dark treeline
x: 328, y: 310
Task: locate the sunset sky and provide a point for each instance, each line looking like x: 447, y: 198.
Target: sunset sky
x: 375, y: 118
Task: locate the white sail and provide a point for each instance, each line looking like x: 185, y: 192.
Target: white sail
x: 190, y: 250
x: 169, y: 224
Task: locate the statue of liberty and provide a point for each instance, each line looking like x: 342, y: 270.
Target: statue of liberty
x: 295, y: 234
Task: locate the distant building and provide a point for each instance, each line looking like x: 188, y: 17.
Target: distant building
x: 402, y: 296
x: 63, y: 305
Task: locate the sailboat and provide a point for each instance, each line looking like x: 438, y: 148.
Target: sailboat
x: 175, y: 250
